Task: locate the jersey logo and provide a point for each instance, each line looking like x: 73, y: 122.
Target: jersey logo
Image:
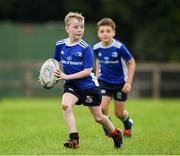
x: 99, y: 54
x: 69, y: 58
x: 62, y: 52
x: 115, y: 54
x: 79, y: 54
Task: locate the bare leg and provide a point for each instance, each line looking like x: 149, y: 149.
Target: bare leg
x: 122, y: 114
x: 102, y: 119
x: 68, y: 100
x: 105, y: 104
x: 120, y: 111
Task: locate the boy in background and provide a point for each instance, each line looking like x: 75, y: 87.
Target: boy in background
x: 115, y: 67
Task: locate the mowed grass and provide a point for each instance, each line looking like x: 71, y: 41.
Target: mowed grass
x: 36, y: 126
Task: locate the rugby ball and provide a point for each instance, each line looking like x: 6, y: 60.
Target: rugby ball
x: 46, y: 76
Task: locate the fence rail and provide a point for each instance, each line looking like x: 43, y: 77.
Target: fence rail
x: 152, y: 80
x: 157, y: 83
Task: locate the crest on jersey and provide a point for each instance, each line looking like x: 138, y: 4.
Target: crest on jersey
x: 79, y: 54
x: 115, y: 54
x: 62, y: 52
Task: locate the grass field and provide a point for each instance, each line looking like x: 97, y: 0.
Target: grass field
x: 36, y: 126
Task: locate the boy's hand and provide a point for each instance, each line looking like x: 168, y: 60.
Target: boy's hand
x: 126, y: 88
x: 60, y: 75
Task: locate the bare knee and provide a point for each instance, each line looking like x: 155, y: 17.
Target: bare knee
x: 104, y: 111
x: 66, y: 107
x: 119, y: 115
x: 100, y: 119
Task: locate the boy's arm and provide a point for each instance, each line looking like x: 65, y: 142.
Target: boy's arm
x: 97, y: 68
x: 62, y: 76
x: 131, y: 70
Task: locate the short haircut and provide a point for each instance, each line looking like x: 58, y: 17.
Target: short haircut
x: 108, y: 22
x: 71, y: 15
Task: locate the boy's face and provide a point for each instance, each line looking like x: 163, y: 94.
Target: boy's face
x: 75, y: 29
x: 106, y: 34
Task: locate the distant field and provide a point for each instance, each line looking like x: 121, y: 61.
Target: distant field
x: 36, y: 126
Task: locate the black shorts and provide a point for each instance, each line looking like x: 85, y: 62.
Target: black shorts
x: 87, y: 97
x: 113, y: 90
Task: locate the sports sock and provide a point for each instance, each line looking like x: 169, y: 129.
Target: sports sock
x: 74, y: 136
x: 114, y: 132
x: 127, y: 124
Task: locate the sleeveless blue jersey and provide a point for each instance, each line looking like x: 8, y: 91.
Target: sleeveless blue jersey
x: 75, y: 58
x: 112, y: 62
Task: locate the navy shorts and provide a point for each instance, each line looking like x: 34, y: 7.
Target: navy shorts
x: 113, y: 90
x: 87, y: 97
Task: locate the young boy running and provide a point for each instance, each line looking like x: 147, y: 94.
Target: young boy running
x: 81, y: 85
x: 115, y: 67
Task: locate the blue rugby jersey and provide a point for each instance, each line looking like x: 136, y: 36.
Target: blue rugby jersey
x: 112, y: 62
x: 76, y: 58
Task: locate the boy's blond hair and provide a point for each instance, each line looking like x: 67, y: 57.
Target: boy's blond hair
x: 106, y: 21
x: 71, y: 15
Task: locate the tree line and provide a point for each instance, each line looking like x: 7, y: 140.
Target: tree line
x: 149, y: 28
